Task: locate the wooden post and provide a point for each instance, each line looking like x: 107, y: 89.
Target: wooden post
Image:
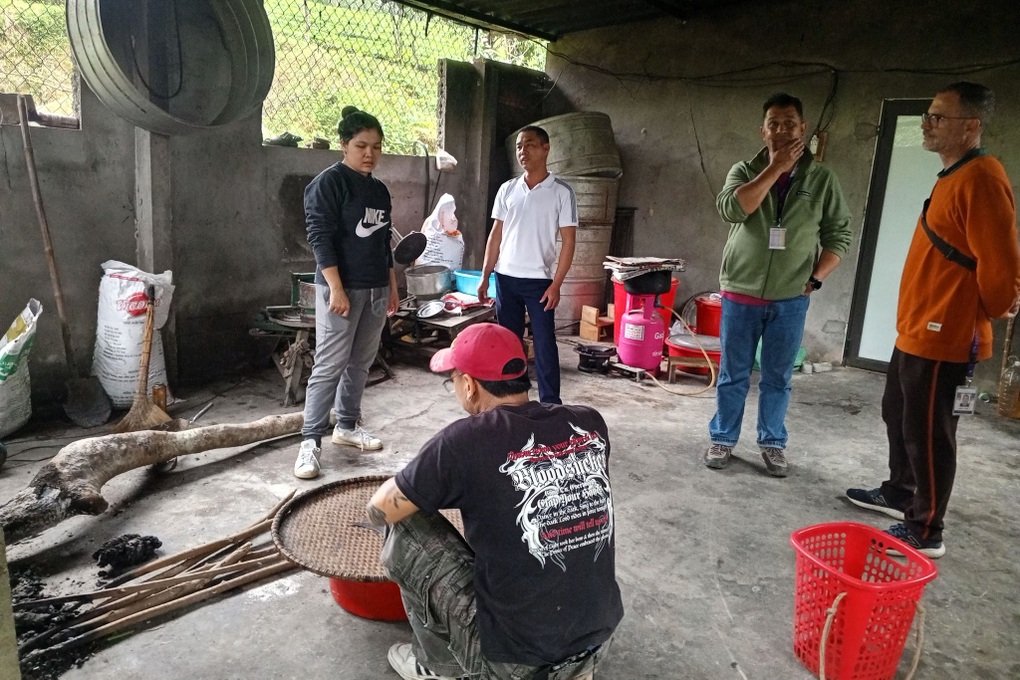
x: 8, y: 641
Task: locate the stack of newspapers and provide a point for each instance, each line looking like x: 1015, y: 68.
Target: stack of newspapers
x: 624, y: 268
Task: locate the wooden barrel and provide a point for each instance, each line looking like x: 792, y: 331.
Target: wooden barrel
x: 596, y: 198
x: 580, y: 143
x: 574, y: 294
x: 585, y: 283
x: 590, y: 250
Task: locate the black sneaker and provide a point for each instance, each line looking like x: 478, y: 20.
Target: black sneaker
x: 933, y: 549
x: 874, y: 500
x: 717, y: 456
x: 775, y: 461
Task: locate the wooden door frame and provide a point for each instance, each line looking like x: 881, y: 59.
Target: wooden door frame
x: 891, y: 110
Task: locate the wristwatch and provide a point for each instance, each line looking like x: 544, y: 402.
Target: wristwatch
x: 815, y: 283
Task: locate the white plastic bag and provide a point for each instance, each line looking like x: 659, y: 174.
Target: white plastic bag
x: 15, y: 387
x: 444, y: 244
x: 121, y: 325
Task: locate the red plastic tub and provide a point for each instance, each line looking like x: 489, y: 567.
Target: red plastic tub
x: 623, y: 302
x: 709, y: 312
x: 880, y: 596
x: 377, y: 600
x: 684, y: 346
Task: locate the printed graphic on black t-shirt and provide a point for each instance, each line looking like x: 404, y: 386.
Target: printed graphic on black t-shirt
x: 567, y: 502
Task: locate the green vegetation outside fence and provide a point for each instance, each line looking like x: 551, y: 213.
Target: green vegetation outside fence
x: 376, y: 55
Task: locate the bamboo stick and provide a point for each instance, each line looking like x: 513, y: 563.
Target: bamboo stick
x: 200, y: 551
x: 157, y: 584
x: 119, y: 624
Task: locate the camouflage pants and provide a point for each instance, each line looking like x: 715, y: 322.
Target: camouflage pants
x: 432, y: 564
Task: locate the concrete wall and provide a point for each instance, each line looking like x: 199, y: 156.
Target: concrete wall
x: 87, y: 186
x: 678, y: 137
x: 235, y: 230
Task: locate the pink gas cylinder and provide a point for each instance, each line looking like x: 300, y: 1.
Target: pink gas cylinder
x: 642, y: 334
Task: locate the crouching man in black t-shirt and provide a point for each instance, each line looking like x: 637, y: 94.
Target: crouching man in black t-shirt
x: 530, y: 591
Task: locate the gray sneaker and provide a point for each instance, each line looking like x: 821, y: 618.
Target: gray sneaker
x: 775, y: 461
x: 717, y: 456
x: 357, y: 437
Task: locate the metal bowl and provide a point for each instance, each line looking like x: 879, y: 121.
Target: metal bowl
x: 429, y: 281
x: 430, y: 309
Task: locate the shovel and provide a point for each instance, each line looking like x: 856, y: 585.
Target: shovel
x: 144, y: 414
x: 87, y: 404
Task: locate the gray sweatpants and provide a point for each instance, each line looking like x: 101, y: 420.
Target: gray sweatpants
x: 345, y: 347
x: 434, y: 567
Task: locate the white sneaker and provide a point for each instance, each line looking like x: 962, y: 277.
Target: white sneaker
x: 307, y: 464
x: 357, y: 437
x: 402, y: 660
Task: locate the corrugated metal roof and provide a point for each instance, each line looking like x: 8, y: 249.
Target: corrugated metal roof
x: 550, y: 19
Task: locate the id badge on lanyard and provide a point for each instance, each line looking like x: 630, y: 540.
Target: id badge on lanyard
x: 777, y: 233
x: 963, y: 400
x: 777, y: 237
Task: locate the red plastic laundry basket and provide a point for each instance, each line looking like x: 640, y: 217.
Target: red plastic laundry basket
x: 873, y: 619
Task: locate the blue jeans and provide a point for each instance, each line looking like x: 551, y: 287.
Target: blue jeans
x: 513, y: 297
x: 434, y: 567
x: 345, y: 347
x: 780, y: 326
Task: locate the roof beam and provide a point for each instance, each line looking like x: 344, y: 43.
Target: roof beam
x: 475, y: 18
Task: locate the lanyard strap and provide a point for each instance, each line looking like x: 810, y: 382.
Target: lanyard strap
x: 782, y: 193
x: 972, y: 361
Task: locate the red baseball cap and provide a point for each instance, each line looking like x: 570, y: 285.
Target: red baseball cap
x: 483, y: 351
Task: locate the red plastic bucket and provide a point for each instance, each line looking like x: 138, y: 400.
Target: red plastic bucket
x: 623, y: 302
x: 709, y: 311
x: 880, y: 594
x: 377, y: 600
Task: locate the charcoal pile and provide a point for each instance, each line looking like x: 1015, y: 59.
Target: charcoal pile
x: 31, y: 620
x: 55, y: 633
x: 125, y: 551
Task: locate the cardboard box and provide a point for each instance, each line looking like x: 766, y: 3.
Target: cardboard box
x: 597, y: 332
x: 589, y: 331
x: 529, y: 349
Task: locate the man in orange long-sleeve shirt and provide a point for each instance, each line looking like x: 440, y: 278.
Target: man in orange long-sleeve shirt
x: 962, y: 269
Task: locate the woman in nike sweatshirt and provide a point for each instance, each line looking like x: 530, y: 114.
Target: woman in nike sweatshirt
x: 348, y: 212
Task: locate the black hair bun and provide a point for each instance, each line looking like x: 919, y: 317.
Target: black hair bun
x: 348, y: 110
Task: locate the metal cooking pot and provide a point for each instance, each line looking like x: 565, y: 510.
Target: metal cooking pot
x: 429, y: 281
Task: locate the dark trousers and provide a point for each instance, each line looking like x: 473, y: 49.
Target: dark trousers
x: 513, y: 297
x: 917, y: 408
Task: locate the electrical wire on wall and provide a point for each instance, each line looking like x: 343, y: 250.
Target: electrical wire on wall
x: 793, y: 70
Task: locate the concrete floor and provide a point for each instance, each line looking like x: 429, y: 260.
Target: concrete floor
x: 704, y: 558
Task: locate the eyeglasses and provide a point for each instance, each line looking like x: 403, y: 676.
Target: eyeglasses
x: 450, y: 383
x: 936, y: 118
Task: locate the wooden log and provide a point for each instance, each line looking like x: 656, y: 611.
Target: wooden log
x: 71, y: 483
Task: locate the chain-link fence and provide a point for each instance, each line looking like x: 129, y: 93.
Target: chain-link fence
x: 376, y: 55
x: 379, y: 56
x: 35, y: 54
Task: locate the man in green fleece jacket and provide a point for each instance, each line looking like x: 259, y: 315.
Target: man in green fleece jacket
x: 789, y: 228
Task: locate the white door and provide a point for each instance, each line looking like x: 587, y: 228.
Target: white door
x: 902, y: 177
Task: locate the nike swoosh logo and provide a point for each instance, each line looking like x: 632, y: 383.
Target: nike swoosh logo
x: 361, y: 231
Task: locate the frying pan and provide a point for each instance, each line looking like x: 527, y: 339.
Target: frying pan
x: 409, y: 247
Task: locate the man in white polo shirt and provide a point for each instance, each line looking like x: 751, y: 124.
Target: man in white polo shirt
x: 529, y: 214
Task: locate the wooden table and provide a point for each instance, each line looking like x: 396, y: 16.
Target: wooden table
x: 406, y: 322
